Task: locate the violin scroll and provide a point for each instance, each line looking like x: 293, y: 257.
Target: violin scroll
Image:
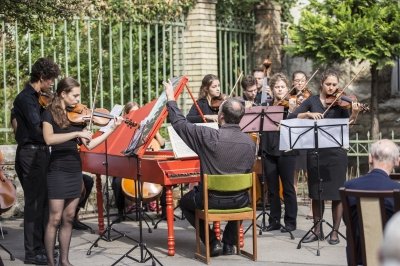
x: 45, y: 98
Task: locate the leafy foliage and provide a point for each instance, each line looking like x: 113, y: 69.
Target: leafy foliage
x: 335, y: 30
x: 34, y: 14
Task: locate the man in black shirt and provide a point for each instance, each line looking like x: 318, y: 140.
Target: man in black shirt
x: 32, y: 157
x: 223, y: 151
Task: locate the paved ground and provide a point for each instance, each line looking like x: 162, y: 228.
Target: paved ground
x: 274, y: 248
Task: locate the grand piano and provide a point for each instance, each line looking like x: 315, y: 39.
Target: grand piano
x: 124, y: 154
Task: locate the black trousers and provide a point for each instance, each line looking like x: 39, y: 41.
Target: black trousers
x: 118, y: 194
x: 88, y: 184
x: 283, y: 167
x: 192, y: 201
x: 31, y: 167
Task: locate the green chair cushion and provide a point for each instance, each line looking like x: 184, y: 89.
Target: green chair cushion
x: 245, y: 209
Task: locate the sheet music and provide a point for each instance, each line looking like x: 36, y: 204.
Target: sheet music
x: 179, y: 147
x: 115, y: 111
x: 299, y: 133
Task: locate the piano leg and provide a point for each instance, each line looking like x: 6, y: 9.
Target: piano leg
x: 99, y: 194
x: 170, y: 221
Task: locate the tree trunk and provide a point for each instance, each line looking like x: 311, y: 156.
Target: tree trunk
x: 374, y: 102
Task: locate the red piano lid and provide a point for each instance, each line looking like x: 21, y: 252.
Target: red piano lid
x: 125, y: 141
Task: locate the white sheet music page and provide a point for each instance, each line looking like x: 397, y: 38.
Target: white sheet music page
x: 179, y: 147
x: 115, y: 111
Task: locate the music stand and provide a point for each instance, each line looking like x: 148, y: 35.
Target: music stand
x: 262, y: 119
x: 106, y: 234
x: 313, y: 135
x: 145, y: 254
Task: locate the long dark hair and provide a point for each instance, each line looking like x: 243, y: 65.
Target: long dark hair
x: 55, y: 108
x: 205, y: 85
x: 326, y: 74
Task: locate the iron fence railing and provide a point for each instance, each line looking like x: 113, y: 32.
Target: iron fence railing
x: 235, y: 41
x: 133, y: 59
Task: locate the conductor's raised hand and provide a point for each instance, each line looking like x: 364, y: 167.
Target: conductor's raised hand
x: 169, y: 90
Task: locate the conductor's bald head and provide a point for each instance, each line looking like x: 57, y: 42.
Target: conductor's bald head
x: 231, y: 111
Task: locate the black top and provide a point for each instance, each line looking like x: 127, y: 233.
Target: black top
x: 313, y: 104
x: 270, y: 142
x: 223, y: 151
x: 28, y: 112
x: 64, y: 156
x: 194, y: 116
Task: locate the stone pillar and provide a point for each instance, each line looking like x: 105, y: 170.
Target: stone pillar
x: 268, y: 42
x: 200, y: 46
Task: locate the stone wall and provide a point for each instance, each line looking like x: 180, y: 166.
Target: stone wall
x: 200, y: 45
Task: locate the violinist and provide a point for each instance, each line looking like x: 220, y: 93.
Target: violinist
x: 249, y: 86
x: 262, y: 84
x: 279, y: 164
x: 64, y: 177
x: 332, y: 161
x: 32, y: 157
x: 299, y: 80
x: 209, y: 99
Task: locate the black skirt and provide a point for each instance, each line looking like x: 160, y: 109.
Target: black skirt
x: 64, y: 185
x: 332, y: 169
x: 64, y: 178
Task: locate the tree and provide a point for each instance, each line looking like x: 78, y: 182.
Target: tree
x: 33, y: 15
x: 333, y: 31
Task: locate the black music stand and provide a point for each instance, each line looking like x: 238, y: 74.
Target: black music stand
x: 106, y: 234
x: 313, y: 135
x: 145, y: 254
x: 262, y: 119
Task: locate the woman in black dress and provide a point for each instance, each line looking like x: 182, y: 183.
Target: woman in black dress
x: 64, y: 178
x: 210, y: 88
x: 279, y: 164
x: 332, y: 161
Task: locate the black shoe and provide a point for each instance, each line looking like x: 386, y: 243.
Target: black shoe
x: 228, y: 249
x: 215, y: 248
x: 288, y: 228
x: 312, y: 237
x: 119, y: 219
x: 334, y: 241
x: 273, y: 227
x: 39, y: 259
x: 77, y: 225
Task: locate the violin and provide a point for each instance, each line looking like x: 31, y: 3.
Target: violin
x: 80, y: 114
x: 302, y: 95
x: 8, y: 193
x: 216, y: 102
x: 344, y: 101
x: 45, y: 98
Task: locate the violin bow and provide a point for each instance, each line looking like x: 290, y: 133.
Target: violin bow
x: 195, y: 104
x: 338, y: 95
x: 301, y: 89
x: 236, y: 83
x: 94, y: 99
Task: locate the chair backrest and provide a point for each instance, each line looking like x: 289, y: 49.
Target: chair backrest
x: 229, y: 182
x: 365, y: 215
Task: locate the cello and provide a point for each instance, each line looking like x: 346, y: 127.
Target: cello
x: 8, y: 193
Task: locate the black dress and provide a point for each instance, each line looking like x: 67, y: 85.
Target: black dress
x: 194, y: 117
x: 332, y: 161
x: 64, y: 177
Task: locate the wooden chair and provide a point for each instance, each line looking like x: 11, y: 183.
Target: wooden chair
x: 368, y: 217
x: 227, y: 183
